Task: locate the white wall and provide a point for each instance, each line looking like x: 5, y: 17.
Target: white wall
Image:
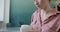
x: 6, y: 8
x: 1, y: 10
x: 6, y: 15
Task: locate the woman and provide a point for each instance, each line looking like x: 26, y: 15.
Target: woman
x: 46, y: 18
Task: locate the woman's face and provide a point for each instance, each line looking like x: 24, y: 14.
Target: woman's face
x: 41, y: 3
x: 44, y: 3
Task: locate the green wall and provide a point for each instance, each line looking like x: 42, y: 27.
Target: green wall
x: 21, y: 11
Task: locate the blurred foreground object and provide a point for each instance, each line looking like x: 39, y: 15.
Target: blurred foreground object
x: 58, y: 7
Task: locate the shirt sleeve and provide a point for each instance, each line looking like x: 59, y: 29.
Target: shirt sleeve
x: 34, y: 23
x: 32, y: 18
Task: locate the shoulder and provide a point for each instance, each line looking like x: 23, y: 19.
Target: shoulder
x: 37, y: 12
x: 35, y: 15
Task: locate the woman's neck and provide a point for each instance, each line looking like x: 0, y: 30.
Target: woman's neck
x: 44, y: 13
x: 48, y: 10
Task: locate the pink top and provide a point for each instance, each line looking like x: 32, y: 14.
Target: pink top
x: 50, y: 24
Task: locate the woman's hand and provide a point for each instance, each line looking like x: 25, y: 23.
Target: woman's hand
x: 33, y: 30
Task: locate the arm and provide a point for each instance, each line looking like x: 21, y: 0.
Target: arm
x: 34, y: 24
